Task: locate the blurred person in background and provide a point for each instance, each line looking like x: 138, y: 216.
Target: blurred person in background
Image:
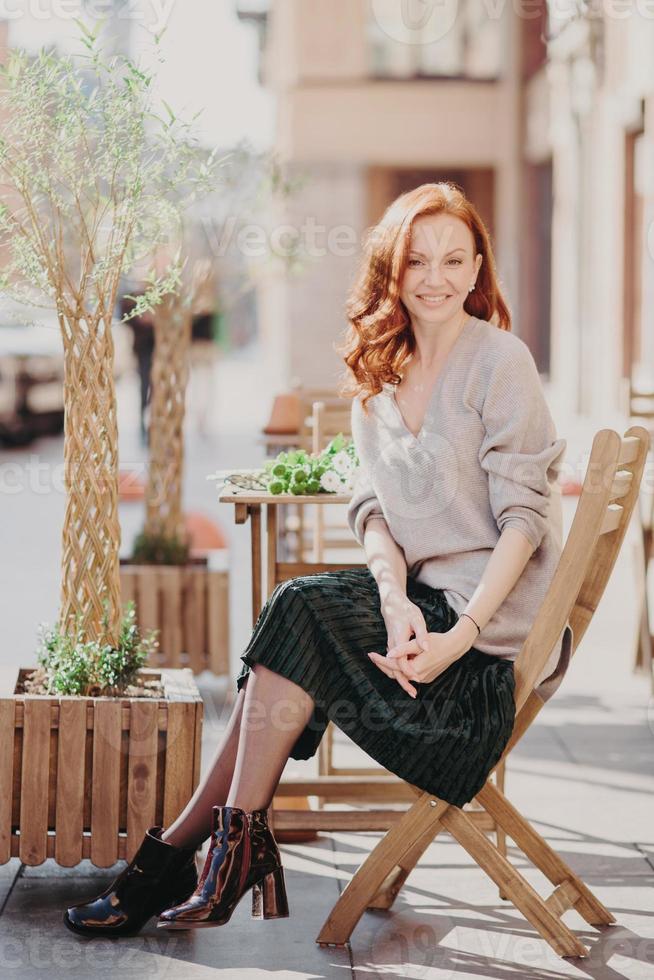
x: 142, y: 328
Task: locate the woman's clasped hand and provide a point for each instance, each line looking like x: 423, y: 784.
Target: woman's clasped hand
x: 413, y: 653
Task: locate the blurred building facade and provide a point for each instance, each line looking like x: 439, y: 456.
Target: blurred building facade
x: 545, y: 120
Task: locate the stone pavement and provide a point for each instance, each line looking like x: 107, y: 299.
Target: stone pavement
x: 584, y: 775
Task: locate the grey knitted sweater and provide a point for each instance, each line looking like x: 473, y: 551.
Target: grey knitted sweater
x: 486, y: 458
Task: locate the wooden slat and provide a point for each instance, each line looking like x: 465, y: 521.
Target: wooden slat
x: 128, y: 580
x: 105, y: 792
x: 562, y: 898
x: 249, y: 498
x: 170, y: 582
x: 217, y: 583
x: 356, y: 821
x: 7, y: 739
x: 69, y: 818
x: 180, y: 746
x: 194, y: 617
x: 629, y: 449
x: 621, y: 484
x: 141, y: 771
x: 612, y: 518
x: 382, y: 788
x: 35, y: 775
x: 86, y: 846
x: 288, y: 570
x: 148, y: 602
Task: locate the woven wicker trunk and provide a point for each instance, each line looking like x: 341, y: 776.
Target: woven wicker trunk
x: 85, y: 777
x: 189, y: 604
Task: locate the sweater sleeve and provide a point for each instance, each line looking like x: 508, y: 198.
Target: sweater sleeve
x: 363, y: 505
x: 519, y: 451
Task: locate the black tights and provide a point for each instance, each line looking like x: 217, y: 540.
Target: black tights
x: 269, y: 714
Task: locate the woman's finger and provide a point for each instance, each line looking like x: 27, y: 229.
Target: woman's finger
x: 421, y: 631
x: 397, y: 675
x: 404, y: 649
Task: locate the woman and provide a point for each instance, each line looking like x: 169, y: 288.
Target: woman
x: 452, y: 506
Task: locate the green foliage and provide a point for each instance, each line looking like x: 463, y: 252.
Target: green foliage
x: 156, y: 549
x: 76, y: 665
x: 95, y: 179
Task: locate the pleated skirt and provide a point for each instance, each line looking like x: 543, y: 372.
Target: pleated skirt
x: 316, y: 630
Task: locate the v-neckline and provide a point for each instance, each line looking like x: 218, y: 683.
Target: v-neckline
x: 435, y: 386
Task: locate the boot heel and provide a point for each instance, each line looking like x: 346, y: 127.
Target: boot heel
x: 269, y: 899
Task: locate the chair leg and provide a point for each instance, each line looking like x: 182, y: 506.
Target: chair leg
x: 392, y: 884
x: 525, y: 898
x: 543, y: 856
x: 326, y: 757
x: 500, y: 834
x: 421, y: 818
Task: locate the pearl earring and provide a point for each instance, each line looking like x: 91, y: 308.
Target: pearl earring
x: 471, y: 288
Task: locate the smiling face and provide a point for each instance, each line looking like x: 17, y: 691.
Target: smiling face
x: 441, y: 268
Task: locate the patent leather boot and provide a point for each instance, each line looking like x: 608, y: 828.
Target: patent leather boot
x: 159, y: 875
x: 243, y: 855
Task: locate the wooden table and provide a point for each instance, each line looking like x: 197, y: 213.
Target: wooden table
x: 360, y: 785
x: 261, y: 509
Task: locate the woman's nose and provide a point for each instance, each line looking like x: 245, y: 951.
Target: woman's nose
x: 433, y: 275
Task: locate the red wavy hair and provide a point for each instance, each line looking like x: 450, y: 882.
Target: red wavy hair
x: 380, y: 340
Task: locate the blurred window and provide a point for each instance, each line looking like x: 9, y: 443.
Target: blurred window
x: 435, y: 38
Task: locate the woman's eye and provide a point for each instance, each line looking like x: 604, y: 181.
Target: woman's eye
x: 414, y: 262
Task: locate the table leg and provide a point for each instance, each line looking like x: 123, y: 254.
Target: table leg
x: 271, y: 545
x: 255, y: 545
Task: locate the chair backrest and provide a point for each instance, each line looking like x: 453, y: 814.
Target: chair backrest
x: 608, y: 497
x: 328, y: 419
x: 641, y: 402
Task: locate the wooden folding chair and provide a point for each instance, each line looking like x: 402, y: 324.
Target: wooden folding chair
x: 614, y: 474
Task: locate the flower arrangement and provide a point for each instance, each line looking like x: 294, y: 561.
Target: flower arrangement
x: 301, y: 473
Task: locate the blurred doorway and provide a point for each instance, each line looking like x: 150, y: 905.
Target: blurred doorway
x: 386, y: 183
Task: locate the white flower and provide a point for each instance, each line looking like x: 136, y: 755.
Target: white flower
x: 341, y: 462
x: 330, y: 482
x: 348, y: 483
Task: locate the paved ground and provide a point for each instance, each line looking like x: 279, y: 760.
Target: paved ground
x: 584, y: 775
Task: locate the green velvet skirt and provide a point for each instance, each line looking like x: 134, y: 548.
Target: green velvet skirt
x: 317, y: 630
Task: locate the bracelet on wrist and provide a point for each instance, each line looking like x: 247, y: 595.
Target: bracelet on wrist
x: 476, y: 624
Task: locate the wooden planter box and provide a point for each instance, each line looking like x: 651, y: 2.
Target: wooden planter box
x: 189, y: 604
x: 86, y: 777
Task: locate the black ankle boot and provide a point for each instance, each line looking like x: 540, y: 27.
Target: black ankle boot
x: 158, y: 876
